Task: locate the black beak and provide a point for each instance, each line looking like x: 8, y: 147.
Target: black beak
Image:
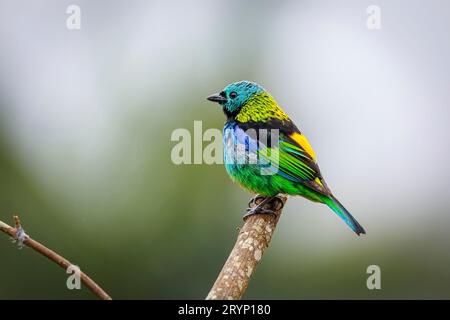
x: 217, y: 98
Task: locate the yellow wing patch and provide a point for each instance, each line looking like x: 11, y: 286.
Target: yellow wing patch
x: 317, y: 180
x: 303, y: 142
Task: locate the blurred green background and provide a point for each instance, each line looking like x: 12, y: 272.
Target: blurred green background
x: 86, y: 118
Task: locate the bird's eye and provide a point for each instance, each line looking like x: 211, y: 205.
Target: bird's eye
x: 233, y: 95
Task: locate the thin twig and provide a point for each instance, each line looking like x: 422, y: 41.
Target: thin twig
x: 17, y: 233
x: 254, y: 237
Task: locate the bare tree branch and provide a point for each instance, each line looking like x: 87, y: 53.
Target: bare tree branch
x: 18, y: 234
x: 254, y: 237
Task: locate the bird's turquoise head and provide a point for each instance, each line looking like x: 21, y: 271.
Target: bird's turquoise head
x: 235, y: 95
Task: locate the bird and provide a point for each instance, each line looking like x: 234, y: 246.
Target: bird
x: 266, y: 153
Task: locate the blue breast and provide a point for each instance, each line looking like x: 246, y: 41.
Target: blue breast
x: 241, y: 152
x: 239, y: 148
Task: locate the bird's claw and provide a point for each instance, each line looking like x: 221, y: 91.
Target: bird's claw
x: 256, y: 210
x: 259, y: 198
x: 258, y: 204
x: 278, y: 203
x: 254, y: 200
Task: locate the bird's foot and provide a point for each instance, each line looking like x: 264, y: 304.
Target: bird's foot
x: 277, y: 203
x: 256, y: 210
x: 255, y: 200
x: 264, y: 205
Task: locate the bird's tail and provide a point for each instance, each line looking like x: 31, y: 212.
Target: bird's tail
x: 339, y: 209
